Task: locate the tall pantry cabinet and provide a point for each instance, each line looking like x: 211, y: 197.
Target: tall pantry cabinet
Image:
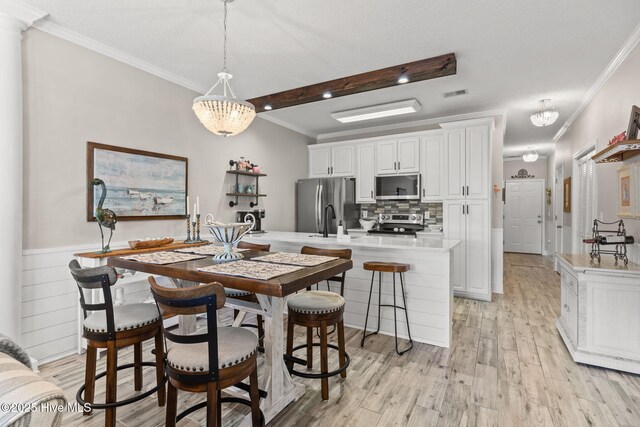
x: 467, y: 206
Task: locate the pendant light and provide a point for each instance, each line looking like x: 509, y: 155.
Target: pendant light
x: 530, y: 156
x: 223, y: 114
x: 546, y: 114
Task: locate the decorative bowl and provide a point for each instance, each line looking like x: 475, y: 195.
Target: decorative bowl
x: 367, y: 224
x: 434, y: 227
x: 149, y: 243
x: 229, y: 235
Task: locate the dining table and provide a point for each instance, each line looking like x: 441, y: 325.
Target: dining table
x: 275, y: 379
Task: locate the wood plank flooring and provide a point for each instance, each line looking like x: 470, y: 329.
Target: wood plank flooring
x: 507, y: 367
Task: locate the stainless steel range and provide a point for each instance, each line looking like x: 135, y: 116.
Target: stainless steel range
x: 398, y: 224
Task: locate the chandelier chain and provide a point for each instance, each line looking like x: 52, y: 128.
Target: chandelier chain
x: 224, y: 67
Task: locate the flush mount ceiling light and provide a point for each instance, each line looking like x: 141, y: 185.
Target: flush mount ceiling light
x: 378, y: 111
x: 530, y: 156
x: 546, y: 114
x: 222, y: 114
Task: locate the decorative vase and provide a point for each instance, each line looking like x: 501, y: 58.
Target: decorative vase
x: 229, y: 235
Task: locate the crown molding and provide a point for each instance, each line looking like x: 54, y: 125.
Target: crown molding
x: 288, y: 126
x: 25, y: 13
x: 613, y: 66
x: 415, y: 123
x: 96, y: 46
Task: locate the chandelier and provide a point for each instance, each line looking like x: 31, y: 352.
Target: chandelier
x: 546, y: 114
x: 223, y: 114
x: 530, y: 156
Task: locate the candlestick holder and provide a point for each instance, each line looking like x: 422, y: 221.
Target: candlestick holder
x: 197, y: 230
x: 188, y: 230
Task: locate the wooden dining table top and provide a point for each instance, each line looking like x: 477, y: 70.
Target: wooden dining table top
x: 278, y: 286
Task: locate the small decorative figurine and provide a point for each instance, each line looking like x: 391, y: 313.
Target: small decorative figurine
x: 105, y: 217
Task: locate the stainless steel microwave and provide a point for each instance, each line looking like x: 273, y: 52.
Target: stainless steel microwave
x: 398, y: 187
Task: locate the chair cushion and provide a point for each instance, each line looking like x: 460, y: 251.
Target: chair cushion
x: 315, y: 302
x: 19, y: 385
x: 235, y: 345
x: 236, y: 292
x: 129, y: 316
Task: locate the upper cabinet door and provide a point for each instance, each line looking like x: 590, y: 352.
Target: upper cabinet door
x: 477, y: 162
x: 455, y: 163
x: 319, y: 162
x: 432, y: 167
x: 386, y: 158
x: 343, y: 159
x: 365, y: 179
x: 408, y: 156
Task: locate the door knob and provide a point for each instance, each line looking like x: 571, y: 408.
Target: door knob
x: 558, y: 226
x: 539, y: 221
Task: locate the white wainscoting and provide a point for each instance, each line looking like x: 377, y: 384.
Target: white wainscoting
x: 497, y: 255
x: 50, y: 301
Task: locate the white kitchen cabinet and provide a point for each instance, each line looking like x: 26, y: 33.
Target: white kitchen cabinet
x: 432, y: 168
x: 365, y: 176
x: 468, y: 221
x: 398, y: 156
x: 408, y: 155
x: 331, y: 161
x: 600, y: 312
x: 386, y: 157
x: 468, y: 161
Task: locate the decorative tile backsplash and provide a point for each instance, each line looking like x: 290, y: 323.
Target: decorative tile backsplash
x: 402, y: 206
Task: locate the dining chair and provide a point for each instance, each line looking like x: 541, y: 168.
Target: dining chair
x: 114, y: 327
x: 210, y: 360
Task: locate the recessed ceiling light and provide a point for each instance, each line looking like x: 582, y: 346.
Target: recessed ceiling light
x: 268, y: 107
x: 327, y: 95
x: 378, y: 111
x: 403, y: 80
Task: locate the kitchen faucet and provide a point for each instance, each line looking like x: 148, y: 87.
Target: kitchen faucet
x: 325, y: 231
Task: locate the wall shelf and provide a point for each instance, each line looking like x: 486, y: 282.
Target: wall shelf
x: 235, y: 195
x: 618, y: 152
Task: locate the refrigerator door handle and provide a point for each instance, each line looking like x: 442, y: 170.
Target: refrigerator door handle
x: 319, y: 208
x: 315, y: 211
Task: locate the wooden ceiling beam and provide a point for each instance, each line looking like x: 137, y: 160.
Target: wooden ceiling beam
x: 425, y: 69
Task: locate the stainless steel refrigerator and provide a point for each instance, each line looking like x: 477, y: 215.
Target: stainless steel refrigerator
x: 314, y: 194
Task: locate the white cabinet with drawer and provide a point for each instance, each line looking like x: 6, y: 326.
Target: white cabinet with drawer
x: 600, y: 312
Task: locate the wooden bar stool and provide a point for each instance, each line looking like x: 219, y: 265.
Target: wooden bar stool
x: 318, y: 309
x: 114, y: 328
x: 208, y: 361
x: 249, y: 296
x: 387, y: 267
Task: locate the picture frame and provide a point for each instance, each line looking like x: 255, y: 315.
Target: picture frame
x: 627, y: 199
x: 566, y: 204
x: 141, y: 185
x: 634, y: 123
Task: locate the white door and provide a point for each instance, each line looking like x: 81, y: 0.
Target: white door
x: 477, y: 162
x: 342, y: 161
x: 319, y: 162
x: 478, y: 247
x: 455, y: 147
x: 432, y: 167
x: 558, y: 208
x: 523, y: 216
x: 408, y: 155
x: 365, y: 180
x: 386, y: 157
x: 455, y: 228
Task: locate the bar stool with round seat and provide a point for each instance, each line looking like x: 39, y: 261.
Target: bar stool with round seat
x: 210, y: 360
x: 114, y: 327
x: 387, y: 267
x: 318, y: 309
x: 249, y: 296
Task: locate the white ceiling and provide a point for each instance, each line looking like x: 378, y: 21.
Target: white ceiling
x: 510, y: 53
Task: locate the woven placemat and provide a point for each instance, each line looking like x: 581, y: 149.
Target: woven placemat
x: 251, y: 269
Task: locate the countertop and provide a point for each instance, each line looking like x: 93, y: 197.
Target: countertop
x: 582, y: 263
x: 385, y: 242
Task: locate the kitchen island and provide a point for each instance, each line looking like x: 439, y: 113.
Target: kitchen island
x: 428, y: 283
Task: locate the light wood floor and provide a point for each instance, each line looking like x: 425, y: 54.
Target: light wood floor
x: 507, y: 367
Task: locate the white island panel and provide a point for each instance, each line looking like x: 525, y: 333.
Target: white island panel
x: 427, y: 284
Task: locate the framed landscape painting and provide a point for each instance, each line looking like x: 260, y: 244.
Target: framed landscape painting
x: 626, y: 192
x: 140, y: 184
